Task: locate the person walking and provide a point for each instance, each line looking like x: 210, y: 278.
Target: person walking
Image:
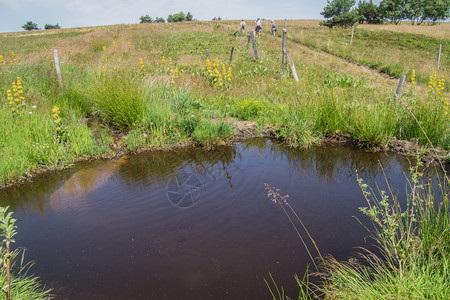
x: 273, y: 26
x: 242, y: 27
x: 258, y: 28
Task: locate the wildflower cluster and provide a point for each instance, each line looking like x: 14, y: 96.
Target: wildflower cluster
x: 2, y: 62
x: 129, y: 46
x: 103, y: 71
x: 250, y: 108
x: 446, y: 107
x: 441, y: 86
x: 51, y: 57
x: 216, y: 77
x: 104, y: 48
x: 164, y: 63
x: 16, y: 98
x: 13, y: 58
x: 413, y: 78
x: 114, y: 44
x: 432, y: 83
x: 69, y: 51
x: 437, y: 91
x: 282, y: 106
x: 141, y: 64
x: 57, y: 121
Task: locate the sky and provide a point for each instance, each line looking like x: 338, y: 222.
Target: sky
x: 82, y: 13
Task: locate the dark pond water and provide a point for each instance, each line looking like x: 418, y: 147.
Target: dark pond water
x: 192, y: 223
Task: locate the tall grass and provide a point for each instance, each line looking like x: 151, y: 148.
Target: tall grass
x: 413, y: 257
x: 14, y: 281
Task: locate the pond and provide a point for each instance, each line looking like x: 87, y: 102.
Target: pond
x: 194, y: 223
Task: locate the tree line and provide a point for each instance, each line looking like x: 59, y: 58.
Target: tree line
x: 178, y: 17
x: 345, y: 13
x: 33, y: 26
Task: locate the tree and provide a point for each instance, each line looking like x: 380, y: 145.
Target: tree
x: 393, y: 10
x: 49, y: 26
x: 189, y: 16
x: 435, y: 10
x: 159, y: 20
x: 30, y: 26
x: 145, y: 19
x: 339, y: 13
x: 414, y: 10
x: 368, y: 12
x: 179, y: 17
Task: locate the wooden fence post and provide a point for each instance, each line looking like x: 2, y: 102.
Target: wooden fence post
x: 283, y: 60
x: 353, y: 32
x: 291, y: 63
x: 231, y: 55
x: 439, y: 56
x: 284, y: 23
x: 255, y: 47
x: 58, y: 70
x: 399, y: 87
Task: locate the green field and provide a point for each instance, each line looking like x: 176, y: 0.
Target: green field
x: 129, y: 88
x: 114, y: 77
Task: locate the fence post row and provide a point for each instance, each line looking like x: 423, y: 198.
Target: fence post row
x: 58, y: 70
x: 283, y: 60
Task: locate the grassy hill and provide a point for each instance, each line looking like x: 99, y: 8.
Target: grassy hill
x: 137, y: 87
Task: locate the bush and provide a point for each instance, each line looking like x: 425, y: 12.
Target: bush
x: 49, y: 26
x: 145, y: 19
x: 30, y: 26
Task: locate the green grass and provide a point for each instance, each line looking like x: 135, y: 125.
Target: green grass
x: 24, y: 286
x: 394, y: 53
x: 152, y: 109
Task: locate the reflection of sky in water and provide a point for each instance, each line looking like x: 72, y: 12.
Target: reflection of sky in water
x: 108, y: 229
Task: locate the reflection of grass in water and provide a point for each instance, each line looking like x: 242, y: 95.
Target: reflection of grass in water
x: 414, y: 243
x: 161, y: 166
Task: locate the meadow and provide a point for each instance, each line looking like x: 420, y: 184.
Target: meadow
x: 129, y: 88
x: 146, y: 86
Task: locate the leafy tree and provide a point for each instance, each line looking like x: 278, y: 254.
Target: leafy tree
x: 216, y: 18
x: 159, y: 20
x: 145, y: 19
x: 339, y: 13
x: 30, y: 26
x: 179, y: 17
x: 189, y: 16
x: 49, y: 26
x: 368, y: 12
x: 435, y: 10
x: 393, y: 10
x: 414, y: 10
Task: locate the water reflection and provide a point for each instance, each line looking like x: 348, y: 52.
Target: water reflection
x: 68, y: 188
x: 199, y: 220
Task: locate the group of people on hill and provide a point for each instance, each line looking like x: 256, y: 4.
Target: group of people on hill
x: 258, y: 28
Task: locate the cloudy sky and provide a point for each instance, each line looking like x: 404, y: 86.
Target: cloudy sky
x: 79, y: 13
